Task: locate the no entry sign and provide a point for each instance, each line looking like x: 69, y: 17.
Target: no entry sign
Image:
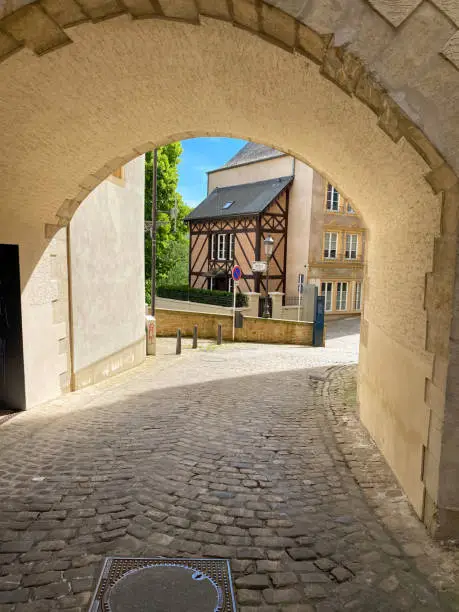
x: 236, y: 273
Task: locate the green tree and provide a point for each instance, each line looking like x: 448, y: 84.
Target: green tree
x: 169, y: 230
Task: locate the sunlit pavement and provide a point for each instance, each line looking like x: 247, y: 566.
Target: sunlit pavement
x: 230, y: 451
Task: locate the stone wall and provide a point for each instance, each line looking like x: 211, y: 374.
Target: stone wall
x: 271, y: 331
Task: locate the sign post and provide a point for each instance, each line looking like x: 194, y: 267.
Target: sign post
x: 300, y: 292
x: 236, y: 274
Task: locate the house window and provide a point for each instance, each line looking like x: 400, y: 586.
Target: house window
x: 332, y: 199
x: 326, y: 291
x: 341, y: 296
x: 231, y: 247
x: 330, y: 241
x: 227, y: 205
x: 351, y: 246
x: 230, y: 283
x: 358, y: 296
x: 221, y: 241
x: 349, y: 209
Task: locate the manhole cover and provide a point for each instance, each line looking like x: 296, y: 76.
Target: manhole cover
x: 164, y: 585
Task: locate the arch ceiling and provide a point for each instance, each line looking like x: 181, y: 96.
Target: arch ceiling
x: 366, y: 92
x: 411, y: 48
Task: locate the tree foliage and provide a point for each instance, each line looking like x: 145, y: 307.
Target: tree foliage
x: 172, y: 234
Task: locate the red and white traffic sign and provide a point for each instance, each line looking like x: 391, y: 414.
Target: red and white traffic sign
x: 236, y: 273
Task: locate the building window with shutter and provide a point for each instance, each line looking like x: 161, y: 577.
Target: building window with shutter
x: 213, y: 247
x: 326, y: 291
x: 231, y: 247
x: 330, y: 241
x: 221, y: 242
x: 341, y: 296
x: 332, y: 199
x: 358, y: 296
x: 351, y: 246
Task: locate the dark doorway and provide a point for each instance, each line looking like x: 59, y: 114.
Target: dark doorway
x: 220, y: 283
x: 12, y: 387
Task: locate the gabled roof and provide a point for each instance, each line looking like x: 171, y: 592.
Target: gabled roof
x: 250, y: 153
x: 246, y: 199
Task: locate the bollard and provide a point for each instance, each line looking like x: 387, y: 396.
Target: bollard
x: 195, y: 336
x: 178, y: 348
x: 219, y: 334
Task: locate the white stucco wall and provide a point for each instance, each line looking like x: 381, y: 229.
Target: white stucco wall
x: 107, y: 268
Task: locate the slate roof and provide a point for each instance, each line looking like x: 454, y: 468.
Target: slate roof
x: 247, y: 199
x: 251, y: 152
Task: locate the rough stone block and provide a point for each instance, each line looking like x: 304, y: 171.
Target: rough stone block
x: 312, y: 44
x: 389, y: 120
x: 278, y: 26
x: 141, y: 9
x: 421, y: 143
x: 32, y: 26
x: 218, y: 9
x: 253, y: 581
x: 370, y: 92
x: 245, y: 14
x: 8, y: 45
x: 450, y: 8
x: 101, y: 9
x: 51, y: 230
x: 64, y: 12
x: 183, y: 10
x: 395, y: 11
x: 451, y: 50
x: 442, y: 178
x: 342, y: 68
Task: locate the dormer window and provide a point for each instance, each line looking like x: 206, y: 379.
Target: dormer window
x: 227, y: 205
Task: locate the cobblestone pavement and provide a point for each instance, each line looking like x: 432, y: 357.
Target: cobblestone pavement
x: 249, y: 452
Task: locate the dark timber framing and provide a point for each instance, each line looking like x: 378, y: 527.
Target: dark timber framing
x: 249, y: 232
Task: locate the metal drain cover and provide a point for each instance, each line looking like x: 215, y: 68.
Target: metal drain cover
x: 164, y: 585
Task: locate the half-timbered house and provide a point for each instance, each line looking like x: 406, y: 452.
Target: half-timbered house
x: 229, y: 228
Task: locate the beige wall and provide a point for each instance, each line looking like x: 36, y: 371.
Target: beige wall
x: 107, y: 268
x: 299, y: 231
x: 61, y: 136
x: 250, y: 173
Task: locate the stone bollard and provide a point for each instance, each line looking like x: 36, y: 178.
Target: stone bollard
x: 195, y: 337
x: 178, y: 346
x: 219, y: 333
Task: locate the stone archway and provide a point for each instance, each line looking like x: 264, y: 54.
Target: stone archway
x: 126, y: 86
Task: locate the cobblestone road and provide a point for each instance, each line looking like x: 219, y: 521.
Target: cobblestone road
x: 241, y: 451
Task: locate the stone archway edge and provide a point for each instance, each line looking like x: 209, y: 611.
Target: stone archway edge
x: 41, y: 26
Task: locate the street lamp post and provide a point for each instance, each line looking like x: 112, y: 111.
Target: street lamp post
x: 269, y: 243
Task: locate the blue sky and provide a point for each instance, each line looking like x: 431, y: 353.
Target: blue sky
x: 199, y: 156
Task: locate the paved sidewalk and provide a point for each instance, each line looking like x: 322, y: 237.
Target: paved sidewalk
x: 229, y: 452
